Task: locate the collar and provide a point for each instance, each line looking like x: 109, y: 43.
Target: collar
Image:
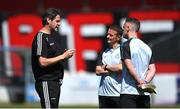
x: 112, y: 49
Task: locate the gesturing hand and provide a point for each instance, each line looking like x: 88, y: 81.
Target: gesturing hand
x: 69, y: 53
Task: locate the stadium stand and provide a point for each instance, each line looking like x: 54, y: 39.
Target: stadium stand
x: 9, y: 6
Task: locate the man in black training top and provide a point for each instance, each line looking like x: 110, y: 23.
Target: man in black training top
x: 47, y: 60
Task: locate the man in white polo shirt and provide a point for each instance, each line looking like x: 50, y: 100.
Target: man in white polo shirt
x: 109, y: 68
x: 138, y: 68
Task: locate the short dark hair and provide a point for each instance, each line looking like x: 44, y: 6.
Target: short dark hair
x: 135, y: 22
x: 117, y: 28
x: 50, y: 13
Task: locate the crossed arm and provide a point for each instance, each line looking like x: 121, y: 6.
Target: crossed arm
x: 106, y: 69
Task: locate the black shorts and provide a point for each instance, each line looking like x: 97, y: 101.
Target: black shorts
x: 109, y: 102
x: 134, y: 101
x: 49, y: 93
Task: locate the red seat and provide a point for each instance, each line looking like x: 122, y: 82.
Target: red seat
x: 64, y: 4
x: 18, y: 5
x: 113, y: 4
x: 161, y: 2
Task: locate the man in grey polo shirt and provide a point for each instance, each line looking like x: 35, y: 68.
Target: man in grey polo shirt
x: 138, y: 68
x: 109, y: 68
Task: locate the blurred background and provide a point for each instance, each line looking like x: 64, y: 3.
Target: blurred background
x: 83, y: 27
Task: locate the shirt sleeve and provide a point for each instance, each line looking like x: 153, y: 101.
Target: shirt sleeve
x: 99, y: 60
x: 41, y: 45
x: 151, y: 60
x: 125, y: 51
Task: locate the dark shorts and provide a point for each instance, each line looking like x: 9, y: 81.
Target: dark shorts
x: 109, y: 102
x: 134, y: 101
x: 49, y: 93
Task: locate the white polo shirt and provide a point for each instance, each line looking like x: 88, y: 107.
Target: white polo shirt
x: 110, y: 85
x: 141, y: 56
